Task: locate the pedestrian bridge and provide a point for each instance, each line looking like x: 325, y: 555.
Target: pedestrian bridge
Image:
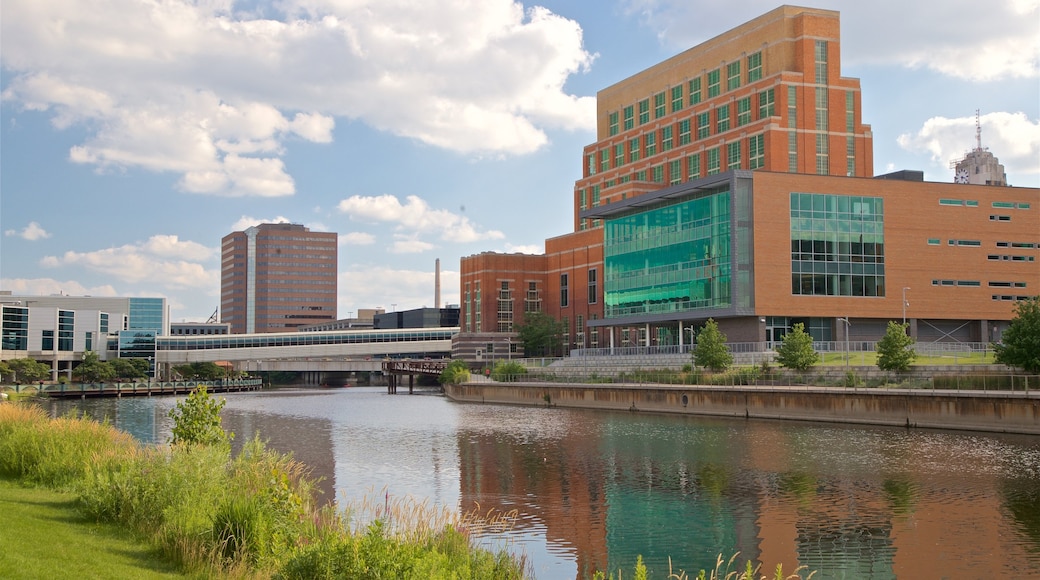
x: 331, y: 351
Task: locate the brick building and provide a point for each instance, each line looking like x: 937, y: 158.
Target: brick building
x: 277, y: 278
x: 733, y: 181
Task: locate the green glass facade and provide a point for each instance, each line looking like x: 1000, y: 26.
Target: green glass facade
x: 670, y: 258
x: 837, y: 245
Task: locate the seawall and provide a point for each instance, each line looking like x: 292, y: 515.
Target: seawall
x: 995, y: 411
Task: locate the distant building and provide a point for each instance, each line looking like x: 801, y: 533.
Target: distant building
x: 278, y: 278
x: 418, y: 318
x: 199, y: 328
x: 979, y: 166
x: 364, y: 319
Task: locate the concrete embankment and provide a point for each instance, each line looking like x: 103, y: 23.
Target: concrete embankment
x: 996, y: 411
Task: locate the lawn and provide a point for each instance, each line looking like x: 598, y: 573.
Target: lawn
x: 44, y: 536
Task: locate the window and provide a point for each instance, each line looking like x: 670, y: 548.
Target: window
x: 593, y: 287
x: 733, y: 155
x: 644, y: 111
x: 756, y: 151
x: 733, y: 75
x: 564, y: 292
x: 614, y: 123
x: 48, y: 340
x: 675, y: 172
x: 703, y: 125
x: 695, y: 91
x: 713, y: 161
x: 722, y: 119
x: 933, y: 241
x: 592, y: 164
x: 582, y: 199
x: 714, y: 83
x: 823, y: 164
x: 604, y: 160
x: 957, y: 202
x: 822, y: 108
x: 650, y: 141
x: 743, y: 111
x: 619, y: 155
x: 693, y: 166
x: 533, y: 302
x: 766, y: 103
x: 658, y: 171
x: 999, y: 218
x: 659, y: 105
x: 754, y: 67
x: 677, y: 98
x: 629, y: 117
x: 685, y: 137
x: 666, y: 138
x: 821, y: 62
x: 837, y: 245
x: 633, y: 150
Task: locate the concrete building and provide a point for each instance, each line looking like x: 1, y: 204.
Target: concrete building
x: 58, y: 330
x: 733, y: 181
x: 278, y: 278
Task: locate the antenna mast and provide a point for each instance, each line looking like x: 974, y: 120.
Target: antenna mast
x: 978, y: 132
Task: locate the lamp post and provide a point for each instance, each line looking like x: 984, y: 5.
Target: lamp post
x: 905, y: 303
x: 847, y: 326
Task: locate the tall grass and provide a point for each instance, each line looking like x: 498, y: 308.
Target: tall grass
x: 250, y: 516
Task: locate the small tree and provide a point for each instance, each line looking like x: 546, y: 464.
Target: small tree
x: 93, y: 369
x: 455, y: 373
x: 540, y: 334
x: 125, y: 368
x: 1020, y: 344
x: 28, y: 370
x: 5, y: 370
x: 796, y: 351
x: 197, y: 420
x: 711, y: 351
x: 895, y: 349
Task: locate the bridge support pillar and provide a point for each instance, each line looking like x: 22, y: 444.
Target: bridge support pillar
x: 411, y: 384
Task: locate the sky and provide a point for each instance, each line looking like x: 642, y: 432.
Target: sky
x: 135, y: 134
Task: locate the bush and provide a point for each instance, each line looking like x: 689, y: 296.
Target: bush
x: 508, y: 371
x: 197, y: 420
x: 455, y: 373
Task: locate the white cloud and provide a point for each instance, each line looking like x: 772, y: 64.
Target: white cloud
x: 356, y: 239
x: 525, y: 249
x: 31, y: 232
x: 410, y: 246
x: 51, y: 287
x: 410, y: 288
x: 952, y: 37
x: 1013, y: 137
x: 212, y: 93
x: 250, y: 221
x: 415, y: 216
x: 161, y: 260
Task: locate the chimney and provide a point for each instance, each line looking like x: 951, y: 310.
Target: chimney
x: 437, y: 285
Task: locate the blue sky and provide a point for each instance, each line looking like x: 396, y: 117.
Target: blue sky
x: 137, y: 133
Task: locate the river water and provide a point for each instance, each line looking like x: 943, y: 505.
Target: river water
x: 594, y: 489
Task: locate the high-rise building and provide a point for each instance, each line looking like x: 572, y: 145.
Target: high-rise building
x: 277, y: 278
x: 733, y: 182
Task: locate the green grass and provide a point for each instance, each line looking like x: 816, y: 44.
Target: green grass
x: 869, y: 358
x: 45, y: 535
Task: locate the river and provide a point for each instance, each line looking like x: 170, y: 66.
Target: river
x: 593, y: 490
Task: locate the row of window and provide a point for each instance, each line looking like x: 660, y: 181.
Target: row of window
x: 978, y: 243
x: 673, y: 99
x: 975, y: 203
x: 977, y: 283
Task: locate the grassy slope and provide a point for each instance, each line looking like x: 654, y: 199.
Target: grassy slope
x: 43, y: 535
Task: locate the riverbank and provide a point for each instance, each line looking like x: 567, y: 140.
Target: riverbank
x: 991, y: 411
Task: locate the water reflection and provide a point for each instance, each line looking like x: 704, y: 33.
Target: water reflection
x: 594, y: 490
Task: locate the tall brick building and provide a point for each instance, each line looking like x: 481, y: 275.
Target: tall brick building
x: 277, y: 277
x: 734, y: 181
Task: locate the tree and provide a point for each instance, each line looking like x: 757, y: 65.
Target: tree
x: 711, y: 351
x: 540, y: 334
x: 507, y: 371
x: 28, y: 370
x: 455, y: 373
x: 895, y: 350
x: 5, y: 370
x: 201, y: 371
x: 125, y: 368
x: 197, y: 420
x: 796, y: 351
x: 1020, y: 344
x: 93, y: 369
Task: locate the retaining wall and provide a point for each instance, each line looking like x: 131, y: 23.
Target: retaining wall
x: 996, y: 411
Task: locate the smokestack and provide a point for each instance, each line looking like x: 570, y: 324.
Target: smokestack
x: 437, y: 285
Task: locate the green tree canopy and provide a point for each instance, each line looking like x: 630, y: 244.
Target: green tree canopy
x: 197, y: 420
x: 796, y: 351
x: 540, y: 334
x: 1020, y: 343
x: 895, y: 349
x: 455, y: 373
x: 507, y: 371
x: 5, y: 370
x: 125, y: 368
x: 93, y: 369
x: 711, y: 351
x: 27, y: 370
x: 202, y: 371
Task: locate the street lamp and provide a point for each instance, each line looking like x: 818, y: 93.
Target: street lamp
x: 847, y: 326
x: 905, y: 303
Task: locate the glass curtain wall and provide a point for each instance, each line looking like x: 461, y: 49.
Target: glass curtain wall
x: 670, y: 258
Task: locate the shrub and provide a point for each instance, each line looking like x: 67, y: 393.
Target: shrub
x: 197, y: 420
x: 455, y: 373
x: 508, y: 371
